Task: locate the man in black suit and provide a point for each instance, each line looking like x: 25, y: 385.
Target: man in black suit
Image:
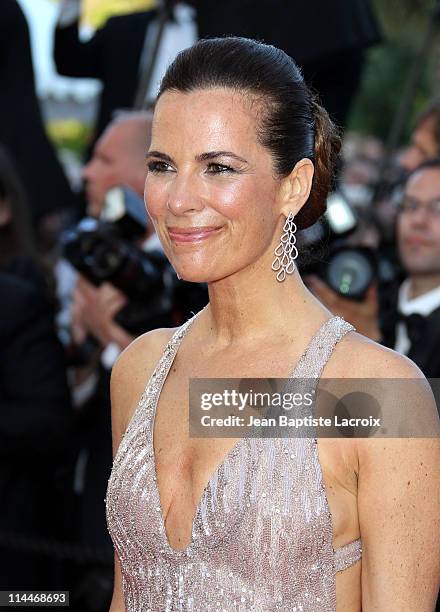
x: 21, y: 127
x: 409, y: 320
x: 112, y: 55
x: 415, y: 328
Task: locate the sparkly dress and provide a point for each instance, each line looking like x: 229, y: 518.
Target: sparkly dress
x: 262, y: 532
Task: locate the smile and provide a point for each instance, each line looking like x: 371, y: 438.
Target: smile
x: 192, y: 234
x: 417, y: 241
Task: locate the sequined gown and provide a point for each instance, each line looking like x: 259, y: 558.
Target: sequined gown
x: 262, y: 532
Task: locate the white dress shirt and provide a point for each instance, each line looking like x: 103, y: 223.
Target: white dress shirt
x: 423, y: 305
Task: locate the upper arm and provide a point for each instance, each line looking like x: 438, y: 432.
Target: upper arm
x: 399, y: 513
x: 129, y: 376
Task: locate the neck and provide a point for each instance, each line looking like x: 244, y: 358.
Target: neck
x: 244, y: 306
x: 422, y: 283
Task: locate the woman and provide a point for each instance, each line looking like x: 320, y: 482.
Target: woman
x: 239, y: 147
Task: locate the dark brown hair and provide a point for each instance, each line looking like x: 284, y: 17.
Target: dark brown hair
x: 294, y: 125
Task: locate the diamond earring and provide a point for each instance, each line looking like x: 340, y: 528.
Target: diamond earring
x: 283, y: 253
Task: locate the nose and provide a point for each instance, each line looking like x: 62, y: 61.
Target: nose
x: 87, y: 171
x: 183, y: 195
x: 421, y: 216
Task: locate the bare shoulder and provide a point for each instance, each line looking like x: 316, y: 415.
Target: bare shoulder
x: 396, y: 384
x: 361, y: 357
x: 138, y: 360
x: 130, y: 374
x: 406, y: 401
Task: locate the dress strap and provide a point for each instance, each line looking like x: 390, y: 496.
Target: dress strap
x: 174, y: 342
x: 169, y: 350
x: 313, y: 360
x: 347, y: 555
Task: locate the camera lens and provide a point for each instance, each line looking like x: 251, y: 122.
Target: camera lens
x: 350, y: 272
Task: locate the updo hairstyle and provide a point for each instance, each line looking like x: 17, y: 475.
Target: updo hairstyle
x: 292, y: 126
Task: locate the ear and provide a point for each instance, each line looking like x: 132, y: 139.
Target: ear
x: 295, y: 188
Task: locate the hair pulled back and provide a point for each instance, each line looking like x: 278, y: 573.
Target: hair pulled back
x: 292, y: 125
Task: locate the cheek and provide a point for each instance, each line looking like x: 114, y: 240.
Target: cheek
x: 106, y: 177
x: 242, y: 199
x: 230, y: 199
x: 155, y: 197
x: 402, y: 225
x: 435, y: 228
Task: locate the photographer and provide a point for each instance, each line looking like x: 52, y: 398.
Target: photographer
x: 118, y: 160
x: 410, y: 322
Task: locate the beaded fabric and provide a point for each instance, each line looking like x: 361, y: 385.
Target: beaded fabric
x: 262, y: 532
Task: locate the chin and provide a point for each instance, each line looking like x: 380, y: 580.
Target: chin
x: 194, y: 276
x: 198, y: 274
x: 422, y: 268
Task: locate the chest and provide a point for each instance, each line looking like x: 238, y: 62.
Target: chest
x: 187, y: 468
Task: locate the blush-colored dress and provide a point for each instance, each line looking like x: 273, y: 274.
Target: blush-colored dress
x: 262, y: 531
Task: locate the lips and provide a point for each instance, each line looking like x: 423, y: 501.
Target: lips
x: 417, y: 241
x: 192, y: 234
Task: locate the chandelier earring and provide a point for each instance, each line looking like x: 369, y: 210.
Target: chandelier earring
x: 286, y: 251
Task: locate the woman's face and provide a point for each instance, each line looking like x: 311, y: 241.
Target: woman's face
x: 208, y: 174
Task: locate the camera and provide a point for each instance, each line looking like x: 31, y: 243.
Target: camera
x: 107, y: 250
x: 335, y: 251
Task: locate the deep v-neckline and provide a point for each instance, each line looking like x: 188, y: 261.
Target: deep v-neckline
x: 228, y: 455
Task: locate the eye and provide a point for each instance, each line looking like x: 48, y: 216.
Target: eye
x: 158, y: 166
x: 219, y: 168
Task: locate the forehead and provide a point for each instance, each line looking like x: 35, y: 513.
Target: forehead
x: 207, y: 119
x: 109, y: 143
x: 424, y: 184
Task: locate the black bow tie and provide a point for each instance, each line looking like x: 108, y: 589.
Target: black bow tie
x: 415, y: 325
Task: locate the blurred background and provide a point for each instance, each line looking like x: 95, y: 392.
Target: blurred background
x: 70, y: 105
x: 82, y: 272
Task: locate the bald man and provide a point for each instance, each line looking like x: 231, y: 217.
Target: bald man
x: 118, y: 159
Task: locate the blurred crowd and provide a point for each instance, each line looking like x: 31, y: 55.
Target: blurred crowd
x: 82, y: 274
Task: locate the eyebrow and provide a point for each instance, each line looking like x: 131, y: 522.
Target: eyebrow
x: 433, y: 199
x: 200, y: 158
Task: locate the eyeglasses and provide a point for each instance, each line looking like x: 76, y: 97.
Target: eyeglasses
x: 411, y: 205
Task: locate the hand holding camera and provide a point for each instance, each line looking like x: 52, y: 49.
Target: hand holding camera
x: 94, y: 310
